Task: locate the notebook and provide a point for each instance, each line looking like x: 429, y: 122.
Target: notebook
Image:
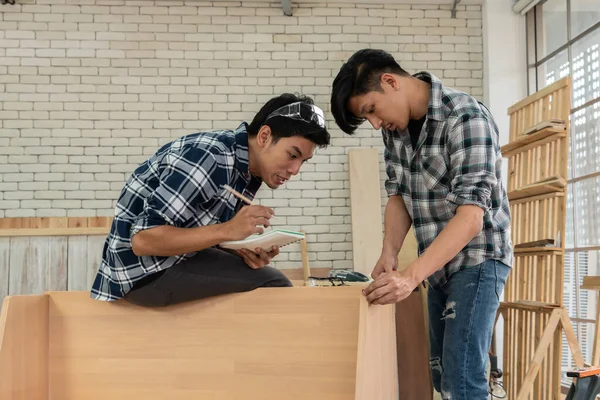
x: 265, y: 241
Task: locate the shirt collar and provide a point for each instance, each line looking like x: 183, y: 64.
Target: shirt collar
x: 435, y: 109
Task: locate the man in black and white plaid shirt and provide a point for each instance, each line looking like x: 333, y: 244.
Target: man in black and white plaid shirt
x: 174, y: 210
x: 443, y: 166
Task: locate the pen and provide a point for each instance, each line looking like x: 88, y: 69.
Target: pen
x: 240, y: 196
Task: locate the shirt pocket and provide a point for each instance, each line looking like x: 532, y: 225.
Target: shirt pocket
x: 435, y: 173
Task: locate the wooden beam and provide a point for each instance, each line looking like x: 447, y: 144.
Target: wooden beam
x: 555, y: 184
x: 571, y: 338
x: 55, y: 226
x: 516, y: 146
x: 538, y: 357
x: 526, y: 305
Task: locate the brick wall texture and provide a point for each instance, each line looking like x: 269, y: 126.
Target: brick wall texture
x: 90, y: 88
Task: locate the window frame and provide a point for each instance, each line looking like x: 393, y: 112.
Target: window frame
x: 534, y: 26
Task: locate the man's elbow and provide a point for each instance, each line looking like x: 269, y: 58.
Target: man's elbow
x: 473, y: 217
x: 139, y: 244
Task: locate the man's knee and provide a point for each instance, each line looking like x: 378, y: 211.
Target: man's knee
x: 276, y: 278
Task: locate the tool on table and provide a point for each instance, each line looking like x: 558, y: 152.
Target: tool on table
x: 339, y: 278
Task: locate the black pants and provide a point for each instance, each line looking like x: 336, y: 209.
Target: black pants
x: 211, y: 272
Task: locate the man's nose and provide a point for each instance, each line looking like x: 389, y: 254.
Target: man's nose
x: 375, y: 122
x: 294, y: 168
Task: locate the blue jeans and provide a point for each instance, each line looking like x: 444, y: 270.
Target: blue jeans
x: 461, y: 321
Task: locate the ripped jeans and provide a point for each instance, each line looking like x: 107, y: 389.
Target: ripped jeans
x: 461, y: 320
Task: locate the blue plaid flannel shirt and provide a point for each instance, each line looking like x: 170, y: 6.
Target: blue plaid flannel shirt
x: 456, y: 161
x: 180, y: 185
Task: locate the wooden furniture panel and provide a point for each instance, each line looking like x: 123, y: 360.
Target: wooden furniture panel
x: 536, y: 277
x: 535, y: 165
x: 24, y: 348
x: 551, y: 103
x: 538, y: 218
x: 365, y: 208
x: 271, y: 343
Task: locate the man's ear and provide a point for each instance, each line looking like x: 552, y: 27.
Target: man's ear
x: 391, y: 80
x: 263, y: 138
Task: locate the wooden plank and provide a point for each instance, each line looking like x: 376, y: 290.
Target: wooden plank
x: 53, y: 232
x: 55, y: 226
x: 536, y: 189
x: 365, y: 208
x: 376, y: 362
x: 409, y: 251
x: 305, y: 264
x: 591, y: 283
x: 529, y: 305
x: 535, y: 243
x: 537, y: 250
x: 513, y: 147
x: 78, y: 222
x: 537, y: 198
x: 553, y: 123
x: 540, y: 94
x: 571, y: 338
x: 24, y: 348
x: 412, y: 346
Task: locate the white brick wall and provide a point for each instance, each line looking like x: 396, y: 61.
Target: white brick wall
x: 90, y: 88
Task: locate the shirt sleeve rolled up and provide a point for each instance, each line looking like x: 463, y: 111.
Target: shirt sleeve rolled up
x: 472, y: 145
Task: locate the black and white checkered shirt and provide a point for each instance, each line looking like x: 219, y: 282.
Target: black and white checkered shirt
x: 181, y: 185
x: 457, y: 161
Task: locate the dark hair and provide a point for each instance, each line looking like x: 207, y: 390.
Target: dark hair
x: 286, y: 127
x: 361, y: 74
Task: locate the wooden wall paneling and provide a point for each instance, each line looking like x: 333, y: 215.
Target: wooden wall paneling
x: 95, y: 245
x: 84, y: 257
x: 4, y: 267
x: 37, y: 264
x: 56, y: 264
x: 20, y: 266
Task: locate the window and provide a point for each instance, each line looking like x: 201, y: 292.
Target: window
x: 564, y: 39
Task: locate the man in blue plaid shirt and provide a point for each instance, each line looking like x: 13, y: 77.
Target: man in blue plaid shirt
x: 443, y: 166
x: 174, y: 210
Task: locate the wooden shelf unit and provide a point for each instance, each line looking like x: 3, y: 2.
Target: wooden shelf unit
x: 533, y: 310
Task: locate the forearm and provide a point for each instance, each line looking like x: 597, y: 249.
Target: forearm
x: 397, y: 222
x: 168, y: 240
x: 461, y: 229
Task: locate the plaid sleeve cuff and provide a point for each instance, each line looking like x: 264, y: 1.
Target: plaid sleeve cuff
x: 473, y: 189
x: 392, y: 187
x: 150, y: 219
